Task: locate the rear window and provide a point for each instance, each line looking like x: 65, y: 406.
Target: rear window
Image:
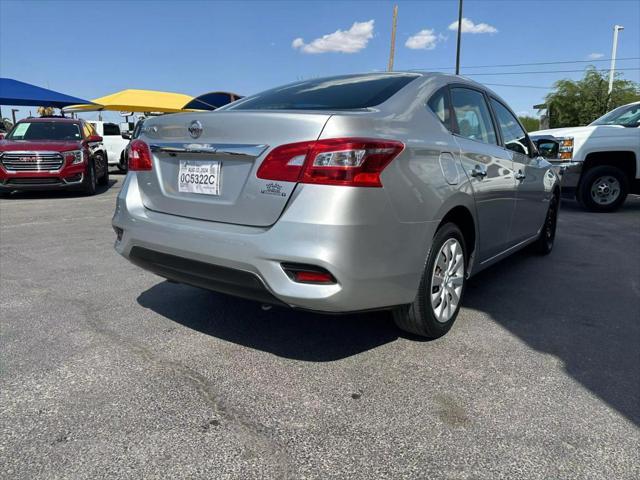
x: 347, y: 92
x: 111, y: 129
x: 45, y: 131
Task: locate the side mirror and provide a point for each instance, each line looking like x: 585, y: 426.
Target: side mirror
x: 94, y: 138
x: 126, y: 135
x: 548, y: 148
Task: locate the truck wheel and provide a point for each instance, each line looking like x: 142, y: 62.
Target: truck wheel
x: 104, y: 179
x: 603, y: 189
x: 88, y: 186
x: 437, y: 303
x: 122, y: 164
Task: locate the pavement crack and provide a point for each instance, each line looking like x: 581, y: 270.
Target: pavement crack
x: 256, y: 436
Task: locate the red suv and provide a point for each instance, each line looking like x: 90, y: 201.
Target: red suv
x: 52, y: 153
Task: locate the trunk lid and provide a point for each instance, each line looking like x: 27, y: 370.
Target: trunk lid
x: 235, y: 142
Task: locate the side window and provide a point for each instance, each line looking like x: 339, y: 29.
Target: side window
x: 472, y: 115
x: 513, y: 135
x: 111, y: 129
x: 439, y: 104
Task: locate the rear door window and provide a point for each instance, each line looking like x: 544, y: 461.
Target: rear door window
x: 472, y: 115
x: 347, y: 92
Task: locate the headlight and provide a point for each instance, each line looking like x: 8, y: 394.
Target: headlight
x: 74, y: 157
x: 566, y: 148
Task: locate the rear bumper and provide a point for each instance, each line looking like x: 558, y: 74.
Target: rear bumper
x: 376, y: 259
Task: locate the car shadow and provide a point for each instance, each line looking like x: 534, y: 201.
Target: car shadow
x: 284, y: 332
x: 572, y: 309
x: 45, y: 194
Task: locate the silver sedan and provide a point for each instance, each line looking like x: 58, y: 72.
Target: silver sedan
x: 340, y: 194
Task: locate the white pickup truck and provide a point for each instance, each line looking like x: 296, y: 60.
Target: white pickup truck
x: 114, y: 143
x: 600, y: 163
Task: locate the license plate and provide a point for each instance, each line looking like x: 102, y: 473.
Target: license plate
x: 199, y: 177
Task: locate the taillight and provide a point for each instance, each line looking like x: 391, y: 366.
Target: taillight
x: 356, y: 162
x: 139, y: 156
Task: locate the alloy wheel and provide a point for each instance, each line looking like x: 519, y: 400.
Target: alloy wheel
x: 447, y: 280
x: 550, y: 222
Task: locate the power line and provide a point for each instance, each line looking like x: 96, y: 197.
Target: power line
x: 564, y: 62
x: 539, y: 71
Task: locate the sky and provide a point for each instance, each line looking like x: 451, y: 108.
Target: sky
x: 89, y: 49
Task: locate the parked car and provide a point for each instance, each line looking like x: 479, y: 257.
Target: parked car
x: 114, y: 143
x: 341, y: 194
x: 52, y: 153
x: 600, y: 163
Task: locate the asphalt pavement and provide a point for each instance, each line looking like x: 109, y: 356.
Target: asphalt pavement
x: 107, y: 371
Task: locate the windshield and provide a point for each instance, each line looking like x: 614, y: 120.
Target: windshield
x: 627, y: 116
x: 45, y: 131
x: 346, y: 92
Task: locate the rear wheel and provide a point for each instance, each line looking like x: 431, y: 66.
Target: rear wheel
x: 603, y: 189
x: 547, y: 237
x: 437, y: 303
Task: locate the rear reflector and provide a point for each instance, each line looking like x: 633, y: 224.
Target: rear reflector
x: 308, y: 274
x: 139, y: 156
x: 356, y: 162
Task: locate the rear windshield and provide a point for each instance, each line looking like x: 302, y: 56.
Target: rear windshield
x: 45, y: 131
x: 347, y: 92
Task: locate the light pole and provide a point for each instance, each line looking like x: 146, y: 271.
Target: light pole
x: 459, y: 35
x: 616, y: 29
x: 394, y: 23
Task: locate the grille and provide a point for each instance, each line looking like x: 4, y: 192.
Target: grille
x: 32, y: 181
x: 31, y: 161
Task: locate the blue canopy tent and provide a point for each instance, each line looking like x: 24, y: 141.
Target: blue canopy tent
x: 13, y: 92
x: 211, y: 100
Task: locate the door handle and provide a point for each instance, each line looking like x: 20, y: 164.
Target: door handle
x: 478, y: 172
x: 520, y: 175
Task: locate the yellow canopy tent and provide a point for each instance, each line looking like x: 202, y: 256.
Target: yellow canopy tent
x: 136, y: 101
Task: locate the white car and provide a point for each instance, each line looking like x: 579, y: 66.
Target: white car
x: 599, y: 163
x: 114, y: 143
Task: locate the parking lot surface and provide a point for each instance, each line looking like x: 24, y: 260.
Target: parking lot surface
x: 109, y: 371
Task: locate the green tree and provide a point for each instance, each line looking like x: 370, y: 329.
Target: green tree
x: 531, y: 124
x: 580, y: 102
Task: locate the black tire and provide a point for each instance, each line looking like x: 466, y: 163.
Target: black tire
x: 606, y: 176
x: 104, y: 179
x: 544, y: 244
x: 419, y: 317
x: 122, y: 164
x: 88, y: 186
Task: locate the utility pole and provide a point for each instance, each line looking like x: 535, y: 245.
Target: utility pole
x: 459, y: 35
x: 393, y: 38
x: 612, y: 70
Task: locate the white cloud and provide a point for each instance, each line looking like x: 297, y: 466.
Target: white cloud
x: 595, y: 56
x: 344, y: 41
x: 423, y: 40
x: 469, y: 27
